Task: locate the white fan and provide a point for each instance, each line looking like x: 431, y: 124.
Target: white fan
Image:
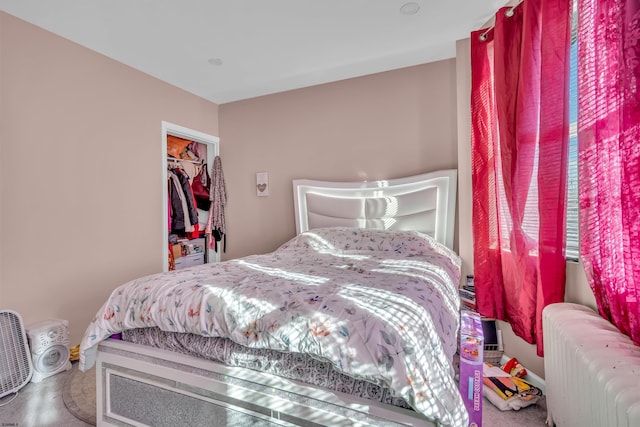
x: 15, y: 360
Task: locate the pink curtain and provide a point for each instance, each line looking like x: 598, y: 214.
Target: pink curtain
x: 609, y: 156
x: 519, y: 107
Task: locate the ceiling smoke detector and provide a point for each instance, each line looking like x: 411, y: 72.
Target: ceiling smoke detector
x: 410, y: 8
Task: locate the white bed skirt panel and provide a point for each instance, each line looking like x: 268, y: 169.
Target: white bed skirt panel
x: 139, y: 385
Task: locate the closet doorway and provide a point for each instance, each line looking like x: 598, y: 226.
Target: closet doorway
x: 212, y: 145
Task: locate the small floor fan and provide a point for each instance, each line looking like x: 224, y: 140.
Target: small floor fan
x: 16, y: 367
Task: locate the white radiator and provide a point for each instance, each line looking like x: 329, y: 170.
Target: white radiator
x: 592, y: 371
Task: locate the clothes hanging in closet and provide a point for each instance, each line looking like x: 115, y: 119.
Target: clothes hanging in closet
x: 216, y: 229
x: 183, y: 215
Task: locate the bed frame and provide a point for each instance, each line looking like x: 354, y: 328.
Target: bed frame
x: 139, y: 385
x: 425, y: 203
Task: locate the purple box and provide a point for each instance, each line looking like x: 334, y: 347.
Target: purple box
x: 471, y: 358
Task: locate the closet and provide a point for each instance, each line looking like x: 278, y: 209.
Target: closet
x: 187, y: 156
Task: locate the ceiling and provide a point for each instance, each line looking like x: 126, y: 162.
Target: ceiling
x: 228, y: 50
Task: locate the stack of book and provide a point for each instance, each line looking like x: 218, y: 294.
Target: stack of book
x: 468, y: 295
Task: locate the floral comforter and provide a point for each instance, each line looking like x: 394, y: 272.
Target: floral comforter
x: 379, y: 305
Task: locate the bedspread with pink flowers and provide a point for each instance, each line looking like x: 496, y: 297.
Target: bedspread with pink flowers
x: 379, y: 305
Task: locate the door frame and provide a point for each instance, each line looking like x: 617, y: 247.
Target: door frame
x: 213, y: 149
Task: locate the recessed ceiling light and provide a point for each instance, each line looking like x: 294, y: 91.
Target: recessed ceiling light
x: 215, y: 61
x: 410, y: 8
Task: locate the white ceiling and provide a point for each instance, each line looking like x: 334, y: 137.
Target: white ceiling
x: 265, y: 46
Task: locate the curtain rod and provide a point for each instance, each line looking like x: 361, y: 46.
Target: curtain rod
x: 508, y: 13
x: 197, y: 162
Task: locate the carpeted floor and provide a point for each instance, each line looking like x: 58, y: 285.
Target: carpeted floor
x: 79, y: 394
x: 532, y: 416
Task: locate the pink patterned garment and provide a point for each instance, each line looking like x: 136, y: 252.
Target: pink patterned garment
x: 609, y: 156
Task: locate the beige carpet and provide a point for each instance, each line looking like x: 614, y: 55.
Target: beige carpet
x: 79, y: 394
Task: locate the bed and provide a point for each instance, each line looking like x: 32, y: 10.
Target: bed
x: 352, y: 322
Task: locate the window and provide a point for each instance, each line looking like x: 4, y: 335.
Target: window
x: 572, y: 251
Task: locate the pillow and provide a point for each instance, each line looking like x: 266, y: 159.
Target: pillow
x: 351, y: 239
x: 175, y: 145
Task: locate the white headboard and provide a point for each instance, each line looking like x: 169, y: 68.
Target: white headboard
x: 424, y: 203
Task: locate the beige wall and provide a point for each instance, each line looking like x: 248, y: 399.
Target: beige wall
x: 81, y: 172
x: 80, y: 181
x: 577, y: 288
x: 385, y: 125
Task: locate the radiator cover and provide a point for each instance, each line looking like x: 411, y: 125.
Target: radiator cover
x: 592, y: 371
